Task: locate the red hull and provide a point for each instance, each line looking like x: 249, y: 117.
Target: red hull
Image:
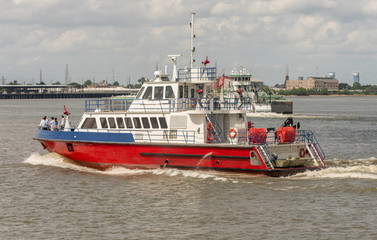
x: 147, y: 156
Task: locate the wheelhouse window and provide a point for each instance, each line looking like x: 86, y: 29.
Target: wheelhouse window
x: 103, y: 122
x: 148, y: 93
x: 163, y: 122
x: 89, y: 123
x: 120, y: 122
x: 128, y: 122
x: 158, y: 92
x: 186, y: 92
x: 154, y: 122
x: 137, y: 122
x: 112, y: 122
x: 139, y: 93
x: 180, y: 91
x: 145, y: 122
x: 169, y: 92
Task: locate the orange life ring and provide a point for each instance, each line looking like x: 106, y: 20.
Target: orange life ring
x: 232, y: 133
x: 302, y: 152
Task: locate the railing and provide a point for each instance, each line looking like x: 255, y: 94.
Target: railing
x: 163, y: 105
x: 107, y: 105
x: 151, y: 136
x: 269, y: 137
x: 197, y: 74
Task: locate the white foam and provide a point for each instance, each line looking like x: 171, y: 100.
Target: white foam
x: 351, y: 172
x: 56, y: 160
x: 280, y: 115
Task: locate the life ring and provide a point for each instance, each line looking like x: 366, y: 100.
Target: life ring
x: 302, y: 152
x: 193, y: 103
x: 232, y: 133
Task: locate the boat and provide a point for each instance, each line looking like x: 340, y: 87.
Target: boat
x: 178, y: 122
x: 257, y: 99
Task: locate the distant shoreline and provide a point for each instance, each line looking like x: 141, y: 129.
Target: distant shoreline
x: 331, y: 95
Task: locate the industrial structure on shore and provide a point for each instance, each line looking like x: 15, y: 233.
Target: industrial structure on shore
x: 317, y: 83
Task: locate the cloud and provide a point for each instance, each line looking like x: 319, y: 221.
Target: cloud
x: 95, y: 36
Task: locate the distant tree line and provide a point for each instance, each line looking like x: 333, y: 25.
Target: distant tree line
x: 89, y: 82
x: 344, y: 89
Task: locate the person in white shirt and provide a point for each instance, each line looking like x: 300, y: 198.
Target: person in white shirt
x: 44, y: 123
x: 51, y: 124
x: 62, y: 123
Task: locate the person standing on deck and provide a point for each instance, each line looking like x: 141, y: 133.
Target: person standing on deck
x: 62, y: 123
x: 51, y: 123
x: 56, y: 125
x: 44, y: 123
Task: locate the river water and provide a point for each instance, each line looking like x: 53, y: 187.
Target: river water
x: 43, y: 196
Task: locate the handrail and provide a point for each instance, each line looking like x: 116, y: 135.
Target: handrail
x: 155, y: 135
x: 164, y: 105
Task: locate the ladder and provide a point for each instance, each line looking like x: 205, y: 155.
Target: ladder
x: 265, y: 154
x: 216, y: 129
x: 314, y: 153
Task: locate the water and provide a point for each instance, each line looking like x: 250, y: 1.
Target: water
x: 44, y: 196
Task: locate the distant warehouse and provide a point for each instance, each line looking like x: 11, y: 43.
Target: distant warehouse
x: 317, y: 83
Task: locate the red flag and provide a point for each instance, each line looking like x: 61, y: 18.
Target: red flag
x: 221, y: 81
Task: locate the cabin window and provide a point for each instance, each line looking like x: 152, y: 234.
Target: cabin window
x: 163, y: 122
x: 169, y: 92
x: 154, y: 122
x: 148, y: 93
x: 180, y: 91
x: 89, y: 123
x: 137, y: 122
x: 192, y: 93
x: 158, y: 92
x: 120, y: 122
x: 145, y: 122
x: 112, y: 122
x: 128, y: 122
x: 103, y: 122
x: 186, y: 92
x: 139, y: 93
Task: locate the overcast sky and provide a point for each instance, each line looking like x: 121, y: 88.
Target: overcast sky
x: 99, y: 37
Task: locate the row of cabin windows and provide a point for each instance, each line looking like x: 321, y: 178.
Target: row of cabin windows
x: 129, y: 123
x: 157, y: 92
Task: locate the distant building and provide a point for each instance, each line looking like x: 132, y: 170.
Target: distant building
x: 317, y: 83
x: 356, y: 77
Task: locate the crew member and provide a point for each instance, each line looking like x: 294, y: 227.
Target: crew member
x: 62, y: 123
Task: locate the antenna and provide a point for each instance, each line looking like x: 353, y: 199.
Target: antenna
x: 192, y: 60
x: 174, y: 59
x: 113, y: 76
x: 66, y: 75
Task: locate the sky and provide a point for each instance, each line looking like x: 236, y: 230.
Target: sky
x: 119, y: 40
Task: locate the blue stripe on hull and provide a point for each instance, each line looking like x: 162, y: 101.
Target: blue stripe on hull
x: 85, y: 136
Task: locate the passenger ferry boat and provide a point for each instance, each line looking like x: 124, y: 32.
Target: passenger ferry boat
x: 177, y: 123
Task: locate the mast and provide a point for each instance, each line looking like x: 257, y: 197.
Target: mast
x: 192, y: 60
x: 66, y: 75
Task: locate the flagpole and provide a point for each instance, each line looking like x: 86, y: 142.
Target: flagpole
x: 222, y: 91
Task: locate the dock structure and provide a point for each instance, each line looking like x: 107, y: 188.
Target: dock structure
x: 60, y: 91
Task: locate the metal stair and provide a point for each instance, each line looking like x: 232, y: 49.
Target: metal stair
x: 265, y: 154
x: 216, y: 129
x: 314, y: 153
